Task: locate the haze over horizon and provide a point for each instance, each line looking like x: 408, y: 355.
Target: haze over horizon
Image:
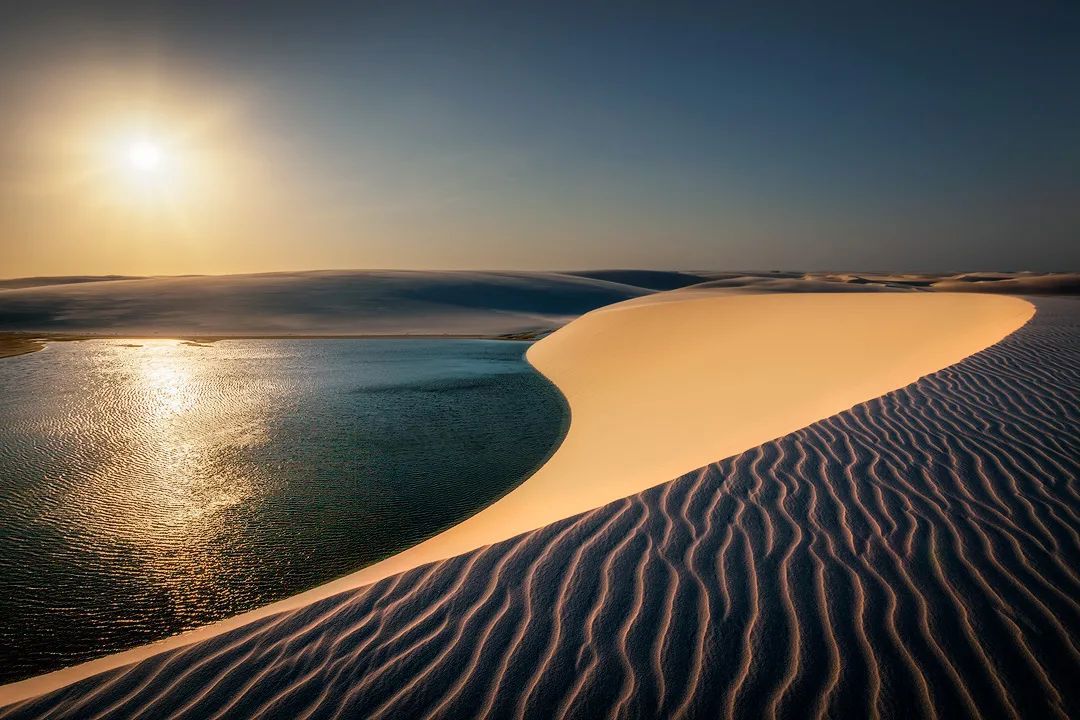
x: 173, y: 138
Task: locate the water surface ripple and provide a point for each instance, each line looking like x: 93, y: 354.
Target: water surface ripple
x: 148, y: 487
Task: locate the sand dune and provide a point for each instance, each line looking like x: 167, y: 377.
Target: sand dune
x: 311, y: 303
x: 659, y: 388
x: 1052, y: 284
x: 1002, y: 283
x: 393, y: 302
x: 649, y: 279
x: 796, y: 285
x: 914, y: 556
x: 28, y: 282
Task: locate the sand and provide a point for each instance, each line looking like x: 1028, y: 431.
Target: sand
x: 323, y: 303
x: 14, y: 346
x: 657, y: 389
x: 914, y: 556
x: 396, y: 302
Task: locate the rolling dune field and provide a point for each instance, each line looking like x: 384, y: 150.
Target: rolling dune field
x: 399, y: 302
x: 915, y: 556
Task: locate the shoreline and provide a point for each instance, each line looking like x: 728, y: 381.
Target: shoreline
x: 706, y: 401
x: 14, y: 347
x: 13, y: 344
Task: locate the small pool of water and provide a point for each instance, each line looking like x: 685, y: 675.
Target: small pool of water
x: 148, y: 487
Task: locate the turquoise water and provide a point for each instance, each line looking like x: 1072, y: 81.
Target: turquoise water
x: 151, y: 487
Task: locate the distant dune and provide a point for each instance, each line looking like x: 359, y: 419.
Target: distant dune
x: 649, y: 279
x: 17, y: 283
x: 1056, y: 284
x: 412, y: 302
x: 794, y: 285
x: 1002, y: 283
x: 311, y: 303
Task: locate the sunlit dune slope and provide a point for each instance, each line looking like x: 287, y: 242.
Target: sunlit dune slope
x: 660, y: 386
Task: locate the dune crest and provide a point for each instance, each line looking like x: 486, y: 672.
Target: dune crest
x: 660, y: 388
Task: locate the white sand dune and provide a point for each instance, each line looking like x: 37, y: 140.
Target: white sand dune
x: 913, y: 557
x: 1050, y: 284
x: 1025, y: 283
x: 394, y: 302
x: 371, y: 302
x: 659, y: 388
x: 47, y: 280
x: 648, y: 279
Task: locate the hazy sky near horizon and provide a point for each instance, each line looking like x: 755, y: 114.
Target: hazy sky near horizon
x: 537, y: 136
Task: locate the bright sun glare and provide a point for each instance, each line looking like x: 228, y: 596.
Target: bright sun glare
x: 148, y: 169
x: 144, y: 155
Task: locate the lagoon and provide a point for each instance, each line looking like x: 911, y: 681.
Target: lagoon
x: 151, y: 486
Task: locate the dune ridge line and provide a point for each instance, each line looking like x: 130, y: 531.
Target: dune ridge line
x: 658, y: 389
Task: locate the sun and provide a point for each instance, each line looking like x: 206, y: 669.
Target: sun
x: 148, y: 168
x: 144, y: 156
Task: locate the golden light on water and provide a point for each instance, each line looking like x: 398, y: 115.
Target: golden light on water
x: 189, y: 428
x: 183, y: 428
x: 165, y: 380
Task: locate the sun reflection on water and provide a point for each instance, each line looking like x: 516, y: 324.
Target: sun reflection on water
x: 184, y: 419
x: 165, y: 378
x: 154, y: 486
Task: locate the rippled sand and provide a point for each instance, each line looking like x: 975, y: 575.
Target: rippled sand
x: 914, y: 556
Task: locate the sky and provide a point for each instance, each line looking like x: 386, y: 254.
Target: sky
x: 216, y: 137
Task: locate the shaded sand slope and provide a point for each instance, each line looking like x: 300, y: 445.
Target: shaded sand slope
x: 309, y: 303
x: 28, y: 282
x: 913, y: 556
x: 650, y: 279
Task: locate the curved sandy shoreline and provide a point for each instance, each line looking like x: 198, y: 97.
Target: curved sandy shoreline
x: 690, y: 381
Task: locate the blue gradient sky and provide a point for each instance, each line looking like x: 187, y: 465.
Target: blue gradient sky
x: 483, y: 135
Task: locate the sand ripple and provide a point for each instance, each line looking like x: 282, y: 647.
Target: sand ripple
x: 915, y: 556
